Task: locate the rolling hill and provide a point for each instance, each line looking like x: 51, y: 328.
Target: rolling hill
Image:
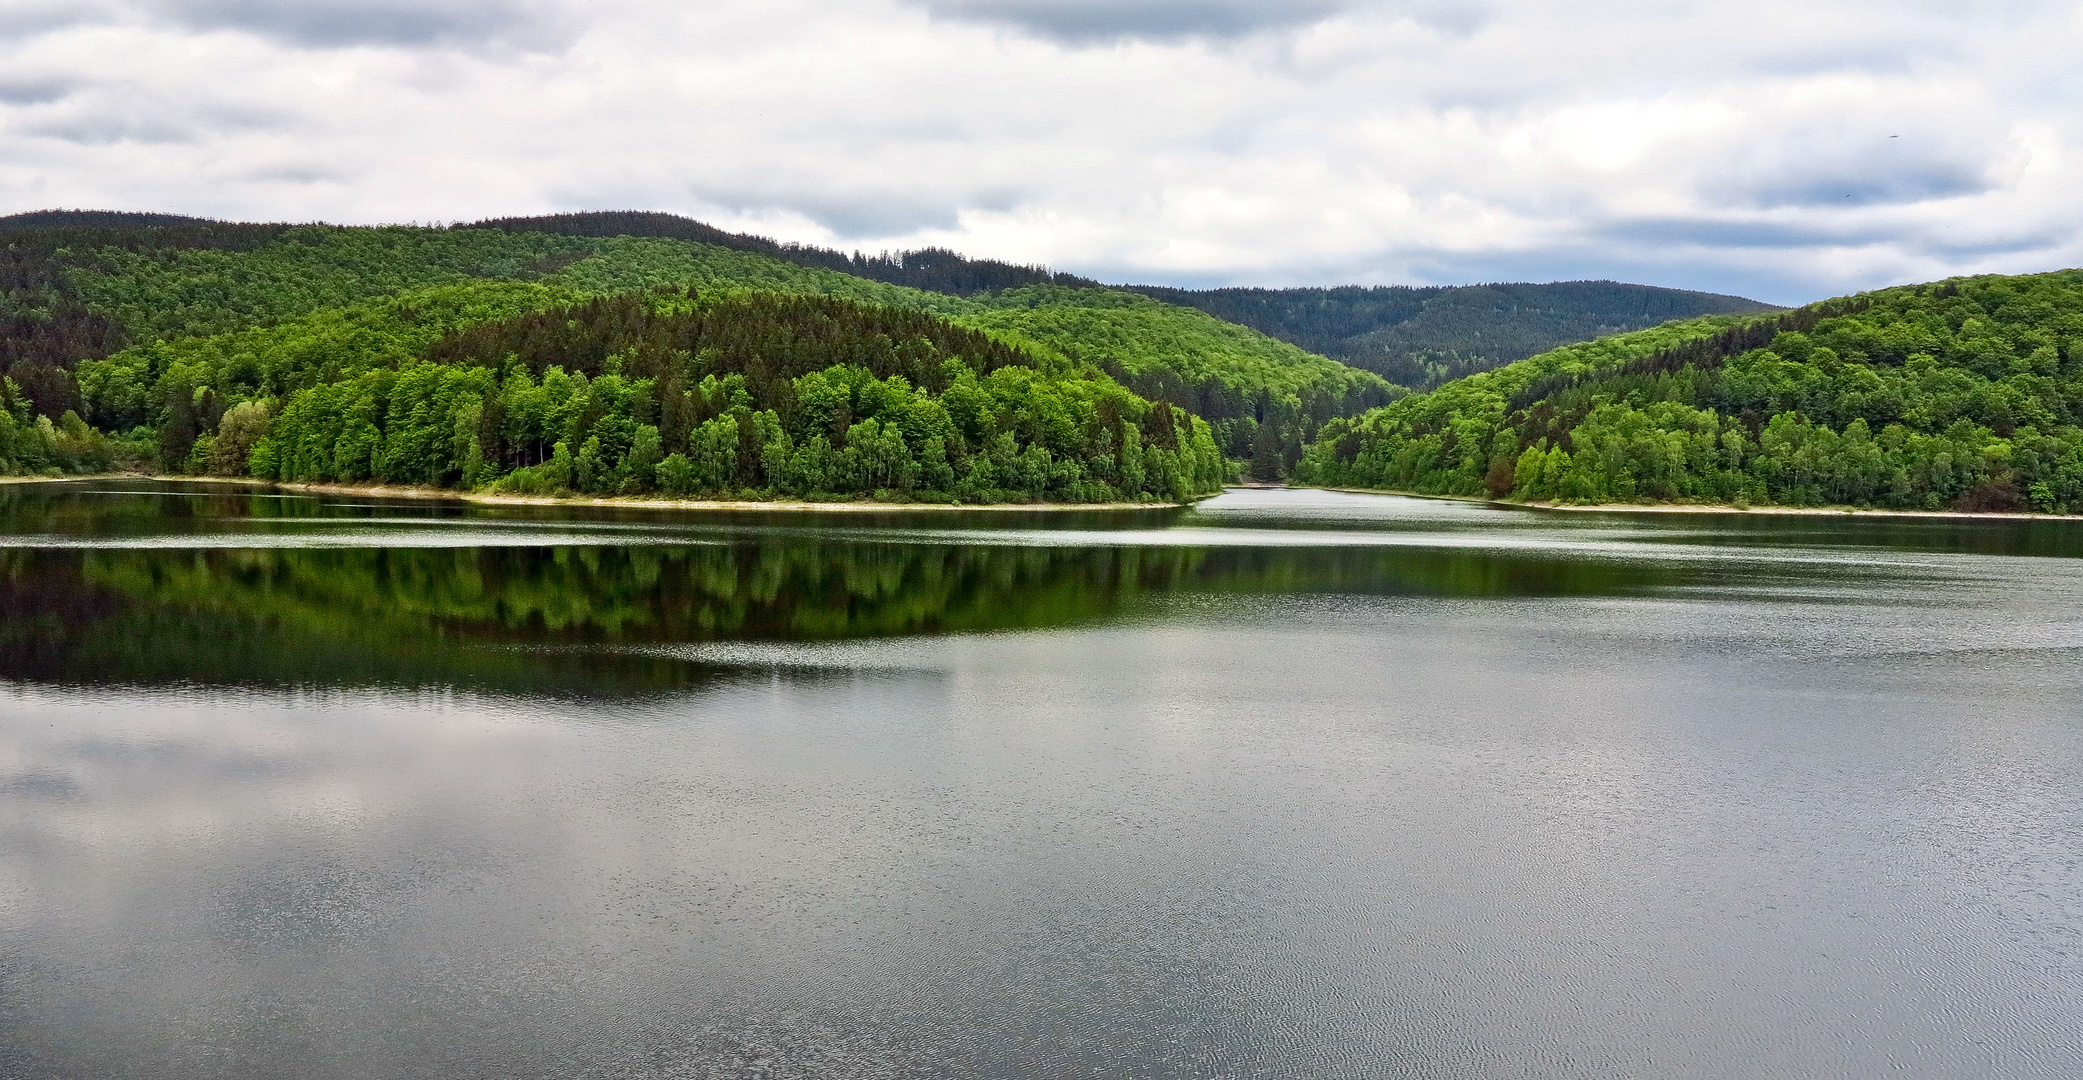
x: 84, y: 286
x: 1421, y: 337
x: 1964, y: 394
x: 1415, y: 337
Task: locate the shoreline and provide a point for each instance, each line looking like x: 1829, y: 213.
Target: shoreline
x: 856, y: 506
x: 1719, y: 508
x: 626, y: 502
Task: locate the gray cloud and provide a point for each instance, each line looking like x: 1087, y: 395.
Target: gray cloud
x: 21, y: 19
x: 1865, y: 170
x: 867, y: 220
x: 847, y: 216
x: 1870, y: 189
x: 1711, y: 233
x: 108, y: 121
x: 1238, y: 142
x: 34, y: 91
x: 297, y: 174
x: 106, y: 128
x: 1707, y: 234
x: 1083, y: 21
x: 337, y: 23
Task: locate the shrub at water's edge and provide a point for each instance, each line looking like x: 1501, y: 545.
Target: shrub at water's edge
x: 742, y: 395
x: 34, y: 446
x: 1964, y: 394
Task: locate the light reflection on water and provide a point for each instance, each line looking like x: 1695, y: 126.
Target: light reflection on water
x: 1298, y: 784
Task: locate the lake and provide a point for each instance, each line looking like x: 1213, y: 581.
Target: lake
x: 1291, y: 784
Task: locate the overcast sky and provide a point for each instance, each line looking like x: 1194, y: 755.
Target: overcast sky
x: 1784, y: 150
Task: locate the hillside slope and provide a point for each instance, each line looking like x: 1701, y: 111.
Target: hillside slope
x: 82, y: 288
x: 1263, y: 395
x: 1421, y: 337
x: 1412, y: 336
x: 541, y: 388
x: 1963, y: 394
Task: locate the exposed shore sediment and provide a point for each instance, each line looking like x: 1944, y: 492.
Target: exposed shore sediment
x: 389, y: 491
x: 1722, y: 508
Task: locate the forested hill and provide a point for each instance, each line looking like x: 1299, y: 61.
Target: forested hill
x: 540, y: 389
x: 932, y: 269
x: 1421, y: 337
x: 1411, y: 336
x: 1964, y: 394
x: 81, y: 286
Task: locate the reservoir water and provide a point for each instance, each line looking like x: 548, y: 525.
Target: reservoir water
x: 1292, y: 784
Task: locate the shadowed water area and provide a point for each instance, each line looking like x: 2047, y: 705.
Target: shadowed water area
x: 1291, y: 784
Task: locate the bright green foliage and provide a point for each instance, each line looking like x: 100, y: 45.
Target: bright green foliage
x: 37, y: 447
x: 148, y: 384
x: 753, y: 394
x: 169, y: 292
x: 182, y: 389
x: 1964, y: 394
x: 362, y: 298
x: 1442, y: 442
x: 32, y: 445
x: 631, y: 264
x: 1263, y: 397
x: 1421, y: 337
x: 1240, y: 380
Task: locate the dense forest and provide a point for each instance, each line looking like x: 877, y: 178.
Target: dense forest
x: 1411, y: 336
x: 1421, y: 337
x: 1263, y: 395
x: 532, y: 388
x: 1964, y: 394
x: 84, y: 286
x: 930, y: 269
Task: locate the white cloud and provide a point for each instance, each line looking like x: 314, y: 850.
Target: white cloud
x: 1787, y: 150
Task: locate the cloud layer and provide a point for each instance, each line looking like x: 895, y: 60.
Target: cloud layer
x: 1784, y: 150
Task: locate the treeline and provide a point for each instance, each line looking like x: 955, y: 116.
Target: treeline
x: 1965, y: 394
x: 31, y: 445
x: 753, y: 395
x: 82, y: 285
x: 46, y: 325
x: 1422, y: 337
x: 931, y: 269
x: 168, y: 323
x: 1262, y: 397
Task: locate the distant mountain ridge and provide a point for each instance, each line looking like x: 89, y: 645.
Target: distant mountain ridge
x: 932, y: 269
x: 156, y: 334
x: 77, y: 285
x: 1415, y: 336
x: 96, y: 219
x: 1422, y: 336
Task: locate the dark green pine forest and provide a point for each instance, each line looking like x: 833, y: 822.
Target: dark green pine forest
x: 1964, y: 394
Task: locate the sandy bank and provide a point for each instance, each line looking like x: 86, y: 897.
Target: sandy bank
x: 386, y: 491
x: 1718, y: 508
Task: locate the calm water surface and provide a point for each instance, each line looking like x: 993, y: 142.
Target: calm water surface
x: 1295, y: 784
